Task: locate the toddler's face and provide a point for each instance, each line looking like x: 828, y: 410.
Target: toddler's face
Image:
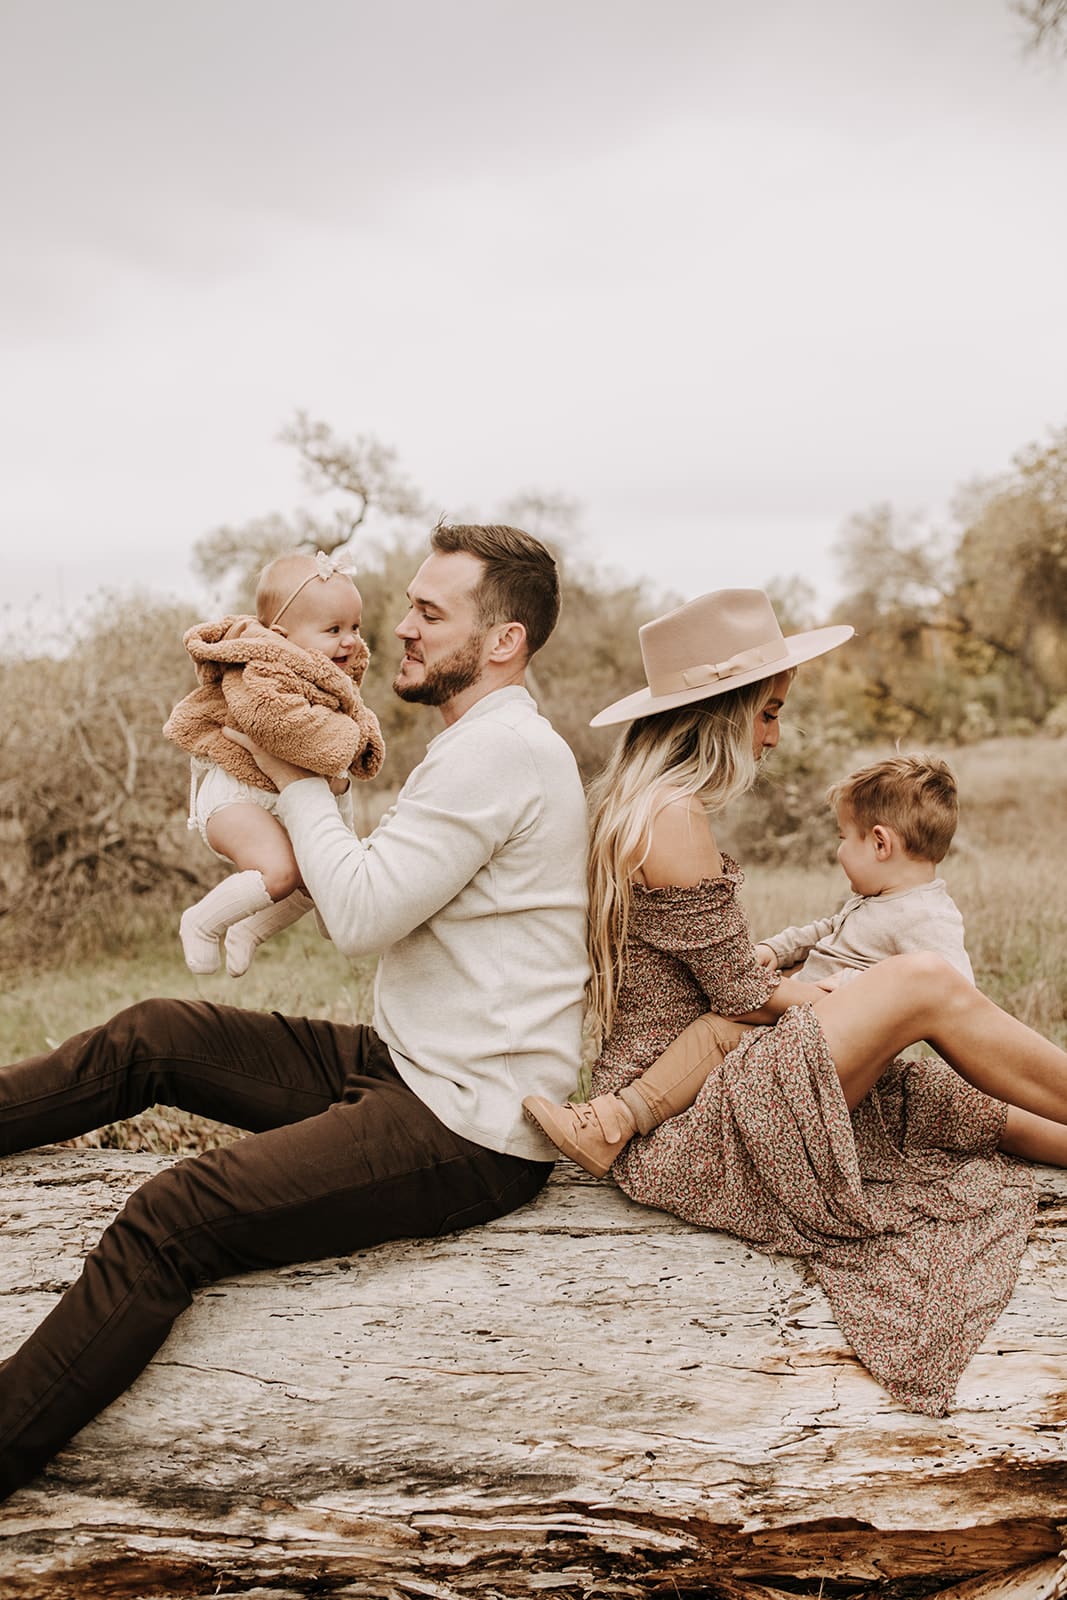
x: 857, y: 855
x: 326, y: 617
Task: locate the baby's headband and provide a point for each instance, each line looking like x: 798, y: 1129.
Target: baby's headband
x: 325, y: 568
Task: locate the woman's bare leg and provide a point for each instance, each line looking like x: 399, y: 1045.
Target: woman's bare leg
x: 1036, y: 1138
x: 912, y: 998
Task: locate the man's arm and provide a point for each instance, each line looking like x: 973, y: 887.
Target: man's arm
x: 444, y: 828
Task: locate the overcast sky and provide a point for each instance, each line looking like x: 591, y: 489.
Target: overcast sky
x: 724, y: 272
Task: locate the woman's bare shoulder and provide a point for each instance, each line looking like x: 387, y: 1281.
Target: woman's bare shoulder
x: 682, y: 850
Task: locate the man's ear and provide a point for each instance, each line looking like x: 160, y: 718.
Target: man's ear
x: 885, y: 841
x: 509, y: 642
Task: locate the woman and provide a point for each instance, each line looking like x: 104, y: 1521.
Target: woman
x: 808, y: 1137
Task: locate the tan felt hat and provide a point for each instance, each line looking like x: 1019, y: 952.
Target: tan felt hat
x: 718, y: 641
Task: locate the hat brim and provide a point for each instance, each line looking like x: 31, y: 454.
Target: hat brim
x: 800, y: 647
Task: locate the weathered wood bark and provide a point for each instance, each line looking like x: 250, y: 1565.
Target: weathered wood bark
x: 586, y: 1397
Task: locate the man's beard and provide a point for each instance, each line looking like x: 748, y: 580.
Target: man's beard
x: 446, y: 678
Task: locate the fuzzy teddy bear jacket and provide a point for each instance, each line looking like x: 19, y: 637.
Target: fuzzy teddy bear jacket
x: 297, y: 704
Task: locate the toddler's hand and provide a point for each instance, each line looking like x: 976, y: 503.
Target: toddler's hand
x: 766, y: 956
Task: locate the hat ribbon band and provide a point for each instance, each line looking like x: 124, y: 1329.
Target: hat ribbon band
x: 760, y: 655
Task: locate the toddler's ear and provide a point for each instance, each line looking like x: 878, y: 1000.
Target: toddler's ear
x: 885, y: 841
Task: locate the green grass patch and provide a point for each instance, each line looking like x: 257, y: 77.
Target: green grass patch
x: 299, y: 974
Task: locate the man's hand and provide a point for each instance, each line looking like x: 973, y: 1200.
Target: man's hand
x: 281, y: 773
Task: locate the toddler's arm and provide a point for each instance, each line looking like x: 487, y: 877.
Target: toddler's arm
x: 792, y: 946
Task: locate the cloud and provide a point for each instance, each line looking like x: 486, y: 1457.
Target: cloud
x: 723, y: 272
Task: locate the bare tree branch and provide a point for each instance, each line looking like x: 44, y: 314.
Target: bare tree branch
x: 1046, y: 21
x: 363, y: 469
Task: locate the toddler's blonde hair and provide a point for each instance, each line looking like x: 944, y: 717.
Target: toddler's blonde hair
x: 914, y: 795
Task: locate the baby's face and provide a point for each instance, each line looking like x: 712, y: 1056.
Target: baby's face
x: 326, y: 617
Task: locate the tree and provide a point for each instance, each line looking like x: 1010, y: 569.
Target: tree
x: 92, y: 810
x: 1011, y: 582
x: 963, y: 626
x: 795, y: 603
x: 896, y: 574
x: 1046, y: 21
x: 361, y: 483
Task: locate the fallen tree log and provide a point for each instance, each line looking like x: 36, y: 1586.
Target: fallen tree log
x: 586, y: 1397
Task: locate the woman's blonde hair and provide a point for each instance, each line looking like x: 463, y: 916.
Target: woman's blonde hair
x: 703, y: 750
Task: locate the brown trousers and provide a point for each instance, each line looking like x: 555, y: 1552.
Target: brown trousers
x: 342, y: 1155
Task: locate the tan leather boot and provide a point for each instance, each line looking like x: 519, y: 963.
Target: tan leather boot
x: 592, y: 1133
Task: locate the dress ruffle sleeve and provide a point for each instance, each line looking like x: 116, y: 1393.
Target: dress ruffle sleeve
x: 705, y: 928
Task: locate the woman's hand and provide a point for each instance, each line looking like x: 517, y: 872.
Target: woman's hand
x: 281, y: 773
x: 790, y: 992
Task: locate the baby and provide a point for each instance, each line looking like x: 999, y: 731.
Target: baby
x: 289, y: 678
x: 895, y: 820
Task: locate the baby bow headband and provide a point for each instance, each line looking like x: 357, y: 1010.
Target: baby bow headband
x: 325, y: 568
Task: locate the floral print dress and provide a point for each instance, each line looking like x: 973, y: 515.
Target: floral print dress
x: 913, y: 1223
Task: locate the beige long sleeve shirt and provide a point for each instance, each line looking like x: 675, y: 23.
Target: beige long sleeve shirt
x: 472, y: 891
x: 868, y: 928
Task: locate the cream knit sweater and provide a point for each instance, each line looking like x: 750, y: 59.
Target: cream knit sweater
x: 472, y: 891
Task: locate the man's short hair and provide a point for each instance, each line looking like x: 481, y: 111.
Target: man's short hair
x: 520, y: 582
x: 914, y: 795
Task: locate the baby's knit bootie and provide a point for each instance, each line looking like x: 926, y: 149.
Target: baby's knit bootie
x: 244, y: 938
x: 203, y: 925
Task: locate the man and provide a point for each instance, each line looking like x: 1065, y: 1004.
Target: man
x: 472, y: 891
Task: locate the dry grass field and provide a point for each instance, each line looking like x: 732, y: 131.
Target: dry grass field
x: 1007, y: 871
